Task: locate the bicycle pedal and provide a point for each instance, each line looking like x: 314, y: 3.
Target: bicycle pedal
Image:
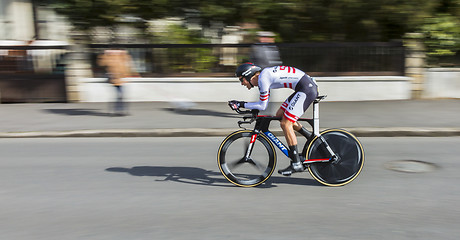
x: 286, y: 174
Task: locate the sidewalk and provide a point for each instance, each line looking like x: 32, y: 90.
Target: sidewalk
x: 161, y: 119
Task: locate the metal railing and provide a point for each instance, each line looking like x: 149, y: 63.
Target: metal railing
x: 32, y: 59
x: 346, y: 58
x: 318, y: 59
x: 32, y: 74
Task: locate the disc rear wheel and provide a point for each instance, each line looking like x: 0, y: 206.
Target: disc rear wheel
x: 349, y: 162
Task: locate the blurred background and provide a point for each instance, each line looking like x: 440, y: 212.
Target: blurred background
x: 49, y: 48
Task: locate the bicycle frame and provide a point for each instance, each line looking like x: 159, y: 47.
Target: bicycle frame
x: 262, y: 127
x: 334, y: 157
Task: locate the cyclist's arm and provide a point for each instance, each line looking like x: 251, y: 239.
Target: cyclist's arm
x: 262, y: 103
x: 264, y: 93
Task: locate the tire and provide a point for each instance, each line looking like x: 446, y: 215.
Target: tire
x: 246, y: 172
x: 349, y: 164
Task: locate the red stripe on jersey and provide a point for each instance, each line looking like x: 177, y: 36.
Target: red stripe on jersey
x: 290, y: 85
x: 264, y: 97
x: 284, y: 105
x: 291, y: 117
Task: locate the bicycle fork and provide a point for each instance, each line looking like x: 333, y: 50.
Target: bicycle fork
x: 251, y: 146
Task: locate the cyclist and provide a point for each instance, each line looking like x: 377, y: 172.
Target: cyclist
x: 305, y: 92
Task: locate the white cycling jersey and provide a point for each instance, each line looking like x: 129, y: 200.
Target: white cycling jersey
x: 272, y: 78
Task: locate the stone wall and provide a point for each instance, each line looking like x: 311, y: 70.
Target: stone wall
x: 225, y: 89
x: 442, y: 83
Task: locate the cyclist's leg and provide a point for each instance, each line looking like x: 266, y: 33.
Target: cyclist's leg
x: 289, y: 119
x: 294, y: 107
x: 297, y: 126
x: 309, y: 87
x: 280, y: 113
x: 292, y: 111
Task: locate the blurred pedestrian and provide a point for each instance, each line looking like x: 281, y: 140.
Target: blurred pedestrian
x: 265, y: 53
x: 117, y: 64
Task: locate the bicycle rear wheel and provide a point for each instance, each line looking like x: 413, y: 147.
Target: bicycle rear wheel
x: 242, y: 171
x: 350, y: 155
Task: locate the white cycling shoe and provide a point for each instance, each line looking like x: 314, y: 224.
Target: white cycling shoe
x: 293, y: 168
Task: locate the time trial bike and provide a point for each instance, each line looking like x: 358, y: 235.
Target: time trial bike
x: 247, y: 158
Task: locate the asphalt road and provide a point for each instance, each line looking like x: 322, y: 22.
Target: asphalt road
x: 170, y: 188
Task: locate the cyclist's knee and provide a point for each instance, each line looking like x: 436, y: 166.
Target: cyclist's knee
x: 286, y: 124
x: 297, y: 126
x: 279, y: 113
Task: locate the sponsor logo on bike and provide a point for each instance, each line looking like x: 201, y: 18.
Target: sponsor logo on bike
x: 276, y: 141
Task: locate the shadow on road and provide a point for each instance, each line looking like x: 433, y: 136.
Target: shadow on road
x: 79, y: 112
x: 199, y: 176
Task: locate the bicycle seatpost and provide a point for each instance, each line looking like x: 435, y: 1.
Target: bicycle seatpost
x: 316, y: 118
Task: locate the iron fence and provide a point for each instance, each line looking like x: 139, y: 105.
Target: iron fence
x: 318, y: 59
x: 338, y: 59
x: 32, y: 74
x: 32, y: 59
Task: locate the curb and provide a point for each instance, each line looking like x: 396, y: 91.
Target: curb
x: 405, y: 132
x: 186, y: 132
x: 206, y: 132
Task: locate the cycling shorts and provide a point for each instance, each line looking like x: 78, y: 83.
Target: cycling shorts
x: 297, y: 103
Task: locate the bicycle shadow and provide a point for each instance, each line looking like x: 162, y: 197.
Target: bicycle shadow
x: 199, y: 176
x: 78, y: 112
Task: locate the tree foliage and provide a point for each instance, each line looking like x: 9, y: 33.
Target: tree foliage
x: 292, y: 20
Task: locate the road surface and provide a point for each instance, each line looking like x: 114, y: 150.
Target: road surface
x: 170, y: 188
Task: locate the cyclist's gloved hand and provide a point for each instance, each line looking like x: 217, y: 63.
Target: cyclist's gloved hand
x: 234, y: 104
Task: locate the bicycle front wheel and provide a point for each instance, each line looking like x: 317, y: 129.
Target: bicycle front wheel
x: 246, y: 171
x: 350, y: 160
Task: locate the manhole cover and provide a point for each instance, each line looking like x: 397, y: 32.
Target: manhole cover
x: 410, y: 166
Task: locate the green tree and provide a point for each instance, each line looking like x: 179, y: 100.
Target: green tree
x: 442, y: 37
x: 184, y: 59
x: 293, y: 20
